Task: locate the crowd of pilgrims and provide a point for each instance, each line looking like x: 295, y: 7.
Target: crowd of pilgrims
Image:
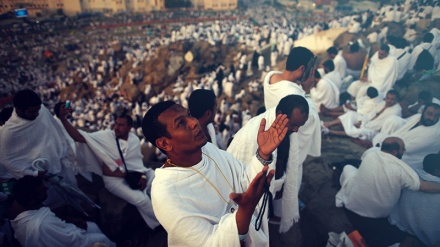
x: 92, y: 53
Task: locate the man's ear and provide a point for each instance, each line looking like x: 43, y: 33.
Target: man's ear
x: 164, y: 144
x: 395, y: 152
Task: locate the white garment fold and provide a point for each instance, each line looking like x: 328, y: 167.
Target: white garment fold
x: 374, y: 189
x: 41, y: 228
x: 23, y: 141
x: 417, y: 212
x: 195, y: 213
x: 244, y: 146
x: 308, y: 135
x: 382, y: 75
x: 326, y: 91
x: 101, y: 147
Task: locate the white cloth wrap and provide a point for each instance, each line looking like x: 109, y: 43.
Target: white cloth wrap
x: 419, y: 141
x: 308, y: 135
x: 244, y: 146
x: 23, y: 141
x: 374, y: 189
x: 102, y: 145
x: 41, y: 228
x: 194, y: 205
x: 382, y: 75
x: 369, y: 127
x: 326, y: 91
x: 417, y: 212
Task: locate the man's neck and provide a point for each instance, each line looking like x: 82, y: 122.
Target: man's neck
x: 184, y: 160
x: 285, y: 76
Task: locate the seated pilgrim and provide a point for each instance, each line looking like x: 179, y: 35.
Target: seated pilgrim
x: 366, y: 126
x: 36, y: 225
x: 370, y: 192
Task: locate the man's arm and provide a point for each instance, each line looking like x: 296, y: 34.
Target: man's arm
x: 73, y: 132
x: 267, y: 141
x: 429, y: 187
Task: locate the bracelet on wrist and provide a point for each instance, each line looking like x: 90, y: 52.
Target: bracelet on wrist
x: 263, y: 161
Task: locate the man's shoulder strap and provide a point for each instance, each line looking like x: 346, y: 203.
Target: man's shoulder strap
x: 403, y: 54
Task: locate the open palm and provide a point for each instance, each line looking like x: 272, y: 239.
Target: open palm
x: 269, y: 140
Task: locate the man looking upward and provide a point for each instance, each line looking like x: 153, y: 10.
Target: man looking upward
x: 202, y: 195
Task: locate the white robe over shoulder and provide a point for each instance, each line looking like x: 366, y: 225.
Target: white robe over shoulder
x: 417, y: 212
x: 374, y: 189
x: 41, y: 228
x: 244, y: 146
x: 419, y: 141
x: 369, y: 127
x: 102, y: 145
x: 309, y: 135
x: 340, y: 64
x: 195, y: 213
x: 23, y: 141
x: 382, y: 75
x: 326, y: 91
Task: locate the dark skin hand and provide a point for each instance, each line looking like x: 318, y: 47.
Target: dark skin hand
x: 248, y: 200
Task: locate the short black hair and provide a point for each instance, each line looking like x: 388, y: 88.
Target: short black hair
x: 425, y: 95
x: 393, y: 92
x: 431, y: 162
x: 372, y: 92
x: 200, y: 101
x: 128, y: 118
x: 25, y: 190
x: 385, y: 47
x: 26, y: 98
x: 332, y: 50
x: 354, y: 47
x: 290, y: 102
x: 298, y: 56
x: 151, y: 127
x: 428, y: 37
x: 329, y: 64
x: 390, y: 146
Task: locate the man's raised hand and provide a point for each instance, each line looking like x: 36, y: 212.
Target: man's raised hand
x: 269, y: 140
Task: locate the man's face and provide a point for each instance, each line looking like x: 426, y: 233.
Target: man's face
x: 390, y: 100
x: 31, y: 113
x: 430, y: 116
x: 296, y: 120
x: 382, y: 54
x: 331, y: 56
x: 185, y: 131
x: 122, y: 128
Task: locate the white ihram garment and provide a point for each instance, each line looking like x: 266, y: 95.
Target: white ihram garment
x: 417, y: 212
x: 419, y: 141
x: 326, y: 91
x: 101, y: 148
x: 308, y: 135
x: 192, y: 211
x: 41, y: 228
x: 374, y: 189
x: 382, y: 75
